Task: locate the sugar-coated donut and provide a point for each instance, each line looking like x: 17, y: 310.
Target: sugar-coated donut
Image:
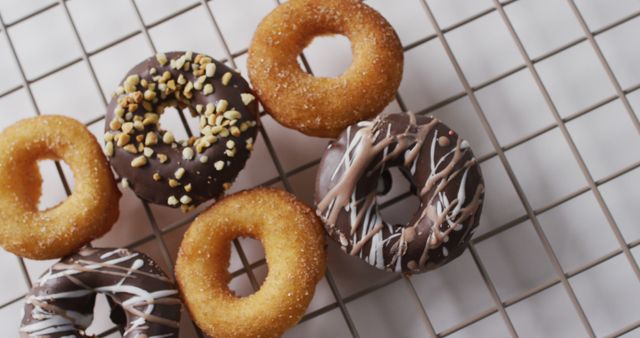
x: 442, y: 170
x: 87, y: 214
x: 158, y: 167
x: 144, y: 301
x: 294, y: 245
x: 321, y: 106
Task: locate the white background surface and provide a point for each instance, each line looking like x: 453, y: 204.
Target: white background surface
x: 509, y: 256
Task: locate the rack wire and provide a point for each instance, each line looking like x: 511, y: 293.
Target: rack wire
x: 469, y: 91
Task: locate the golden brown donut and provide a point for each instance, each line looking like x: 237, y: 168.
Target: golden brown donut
x: 294, y: 245
x: 321, y: 106
x: 87, y: 214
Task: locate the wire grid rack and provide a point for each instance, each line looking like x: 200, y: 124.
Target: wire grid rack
x: 500, y: 305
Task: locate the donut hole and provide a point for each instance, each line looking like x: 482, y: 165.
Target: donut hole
x: 241, y: 284
x: 403, y: 202
x: 170, y: 120
x: 53, y: 187
x: 329, y: 55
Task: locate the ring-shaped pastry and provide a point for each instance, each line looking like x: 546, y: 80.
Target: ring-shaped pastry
x: 322, y: 106
x: 294, y: 245
x: 87, y: 214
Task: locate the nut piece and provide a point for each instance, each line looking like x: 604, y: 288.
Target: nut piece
x: 222, y: 105
x: 210, y: 69
x: 232, y: 114
x: 187, y: 187
x: 185, y: 199
x: 168, y: 138
x: 162, y: 59
x: 124, y: 182
x: 130, y: 148
x: 219, y: 165
x: 108, y: 149
x: 139, y: 161
x: 156, y: 177
x: 226, y: 78
x: 162, y: 157
x: 172, y: 200
x: 187, y: 154
x: 148, y: 152
x: 247, y: 98
x: 151, y: 139
x: 173, y: 183
x: 179, y: 173
x: 123, y: 139
x: 208, y: 89
x: 204, y: 159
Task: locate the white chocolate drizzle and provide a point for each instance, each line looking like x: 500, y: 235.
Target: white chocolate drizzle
x: 373, y: 146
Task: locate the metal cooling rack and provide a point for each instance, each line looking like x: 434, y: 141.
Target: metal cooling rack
x: 498, y: 152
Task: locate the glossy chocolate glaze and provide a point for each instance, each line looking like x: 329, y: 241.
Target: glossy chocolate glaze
x: 144, y: 301
x: 444, y: 175
x: 206, y: 181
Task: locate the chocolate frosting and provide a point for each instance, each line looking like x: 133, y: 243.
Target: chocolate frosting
x: 212, y: 168
x: 442, y: 170
x: 144, y: 301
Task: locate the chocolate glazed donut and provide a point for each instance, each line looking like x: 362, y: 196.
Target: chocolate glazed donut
x: 441, y: 169
x: 161, y: 169
x: 144, y: 301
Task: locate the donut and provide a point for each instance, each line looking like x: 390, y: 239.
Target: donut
x: 180, y: 173
x: 322, y: 106
x: 294, y: 244
x: 144, y: 301
x: 87, y: 214
x: 442, y: 171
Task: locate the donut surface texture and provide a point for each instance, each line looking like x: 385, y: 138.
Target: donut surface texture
x: 294, y: 245
x: 441, y: 169
x: 158, y: 167
x: 88, y: 213
x: 323, y: 106
x: 143, y: 300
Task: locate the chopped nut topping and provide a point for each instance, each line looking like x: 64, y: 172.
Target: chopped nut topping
x: 151, y: 139
x: 172, y: 200
x: 168, y: 138
x: 130, y: 148
x: 226, y: 78
x: 208, y: 89
x: 181, y: 80
x: 219, y: 165
x: 162, y: 157
x: 187, y: 154
x: 222, y: 105
x: 226, y: 186
x: 123, y: 139
x: 185, y: 199
x: 124, y: 182
x: 148, y: 152
x: 232, y: 114
x: 173, y: 183
x: 137, y: 124
x: 149, y: 95
x: 156, y: 177
x: 179, y: 173
x: 115, y: 124
x: 188, y: 88
x: 230, y: 144
x: 108, y: 137
x: 247, y: 98
x: 235, y: 131
x: 211, y: 139
x: 204, y: 159
x: 119, y: 111
x: 210, y: 69
x: 108, y: 149
x: 162, y: 59
x: 127, y: 127
x: 230, y: 152
x: 187, y: 187
x: 139, y: 161
x: 199, y: 108
x: 224, y: 132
